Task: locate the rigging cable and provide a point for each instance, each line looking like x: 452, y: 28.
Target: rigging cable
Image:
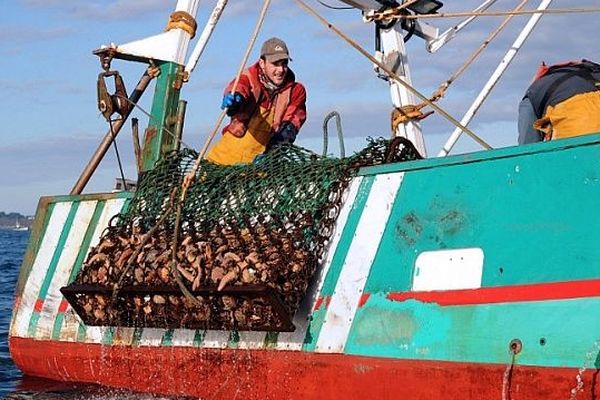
x: 391, y: 13
x: 174, y: 136
x: 114, y: 140
x: 441, y: 90
x: 334, y: 7
x: 392, y: 75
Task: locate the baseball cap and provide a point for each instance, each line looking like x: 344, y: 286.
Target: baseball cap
x: 274, y: 50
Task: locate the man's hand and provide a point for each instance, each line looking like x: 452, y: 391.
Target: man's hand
x: 232, y: 102
x: 286, y: 134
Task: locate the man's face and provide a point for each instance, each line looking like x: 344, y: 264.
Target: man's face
x: 276, y: 71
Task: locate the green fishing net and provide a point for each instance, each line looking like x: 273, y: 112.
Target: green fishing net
x: 264, y: 225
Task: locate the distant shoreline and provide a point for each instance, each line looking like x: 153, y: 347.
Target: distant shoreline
x: 14, y: 220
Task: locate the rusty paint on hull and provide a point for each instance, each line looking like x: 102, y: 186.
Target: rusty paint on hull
x: 264, y: 374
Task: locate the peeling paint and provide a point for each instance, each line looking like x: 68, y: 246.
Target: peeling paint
x: 382, y: 327
x: 409, y: 228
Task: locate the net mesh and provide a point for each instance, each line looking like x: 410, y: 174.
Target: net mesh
x: 266, y: 224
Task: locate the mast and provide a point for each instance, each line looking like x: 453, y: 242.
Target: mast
x: 393, y: 53
x: 168, y: 50
x: 165, y: 52
x: 390, y: 48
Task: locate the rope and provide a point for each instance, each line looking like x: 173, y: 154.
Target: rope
x: 404, y: 114
x: 406, y: 5
x: 144, y: 240
x: 182, y: 20
x: 189, y: 178
x: 391, y: 13
x: 393, y: 75
x: 441, y: 91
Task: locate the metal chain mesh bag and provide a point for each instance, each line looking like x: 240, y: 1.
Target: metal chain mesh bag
x: 248, y: 241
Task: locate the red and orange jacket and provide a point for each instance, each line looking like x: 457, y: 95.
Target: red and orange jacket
x: 289, y: 102
x: 259, y: 117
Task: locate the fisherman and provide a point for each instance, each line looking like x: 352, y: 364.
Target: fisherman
x: 267, y: 109
x: 563, y: 101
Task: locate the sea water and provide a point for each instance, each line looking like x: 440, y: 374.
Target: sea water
x: 12, y: 248
x: 13, y: 385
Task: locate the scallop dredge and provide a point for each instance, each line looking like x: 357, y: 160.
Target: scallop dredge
x: 249, y: 239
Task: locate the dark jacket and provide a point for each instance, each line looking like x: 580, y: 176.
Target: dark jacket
x: 558, y: 84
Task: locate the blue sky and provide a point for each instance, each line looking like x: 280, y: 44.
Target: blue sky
x: 48, y: 105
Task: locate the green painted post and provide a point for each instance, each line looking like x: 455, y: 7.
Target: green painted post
x: 157, y: 141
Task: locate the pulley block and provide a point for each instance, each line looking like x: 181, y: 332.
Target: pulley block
x: 108, y: 104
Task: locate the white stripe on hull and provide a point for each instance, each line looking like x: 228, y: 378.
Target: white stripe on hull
x: 360, y: 256
x: 94, y: 334
x: 70, y: 326
x: 68, y: 256
x: 183, y: 337
x: 71, y: 322
x: 152, y: 337
x: 252, y: 340
x: 216, y: 339
x: 123, y: 336
x: 295, y: 340
x: 39, y: 268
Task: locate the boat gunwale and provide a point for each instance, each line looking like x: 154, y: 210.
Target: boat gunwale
x: 484, y: 155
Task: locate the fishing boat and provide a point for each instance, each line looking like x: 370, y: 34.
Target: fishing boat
x: 483, y: 285
x: 19, y: 227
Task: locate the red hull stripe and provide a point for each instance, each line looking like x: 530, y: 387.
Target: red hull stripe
x: 64, y: 304
x: 267, y: 374
x: 320, y: 301
x: 363, y: 299
x: 39, y: 303
x: 505, y: 294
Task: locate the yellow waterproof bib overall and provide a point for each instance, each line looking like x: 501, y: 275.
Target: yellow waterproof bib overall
x: 578, y: 115
x: 230, y: 149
